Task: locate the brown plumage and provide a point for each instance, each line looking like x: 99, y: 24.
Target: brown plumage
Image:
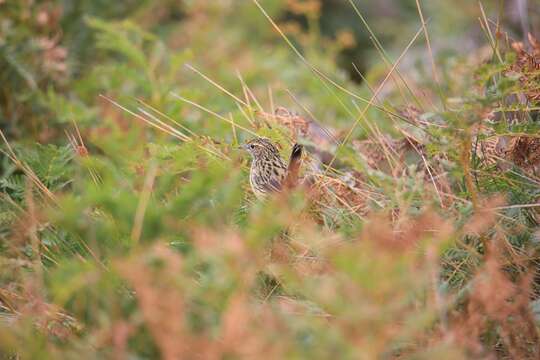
x: 268, y: 171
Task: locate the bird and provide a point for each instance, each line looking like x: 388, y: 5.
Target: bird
x: 268, y: 172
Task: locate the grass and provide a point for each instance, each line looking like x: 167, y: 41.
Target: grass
x: 131, y: 231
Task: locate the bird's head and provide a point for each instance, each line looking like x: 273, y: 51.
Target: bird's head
x: 259, y: 147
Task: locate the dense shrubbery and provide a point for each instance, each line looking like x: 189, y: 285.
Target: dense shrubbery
x: 127, y: 227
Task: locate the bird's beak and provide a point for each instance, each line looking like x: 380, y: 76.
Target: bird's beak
x: 242, y: 147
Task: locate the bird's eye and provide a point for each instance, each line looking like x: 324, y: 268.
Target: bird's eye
x: 251, y: 146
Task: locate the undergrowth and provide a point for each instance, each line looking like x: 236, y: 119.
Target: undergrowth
x: 130, y: 231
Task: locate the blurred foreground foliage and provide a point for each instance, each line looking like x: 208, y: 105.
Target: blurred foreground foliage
x: 129, y: 231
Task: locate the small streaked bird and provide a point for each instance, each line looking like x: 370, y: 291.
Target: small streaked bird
x: 268, y: 172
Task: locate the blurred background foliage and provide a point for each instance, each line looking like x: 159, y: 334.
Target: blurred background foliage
x: 122, y: 241
x: 56, y: 55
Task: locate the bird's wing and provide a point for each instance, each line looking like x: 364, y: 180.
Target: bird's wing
x: 274, y: 185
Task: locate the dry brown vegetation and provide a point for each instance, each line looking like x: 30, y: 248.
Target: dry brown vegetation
x: 412, y: 235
